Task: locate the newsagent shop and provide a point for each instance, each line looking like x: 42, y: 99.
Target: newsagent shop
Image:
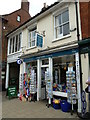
x: 52, y: 76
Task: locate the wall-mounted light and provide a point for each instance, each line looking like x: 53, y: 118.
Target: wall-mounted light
x: 4, y: 27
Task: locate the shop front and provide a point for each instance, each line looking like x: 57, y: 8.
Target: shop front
x: 57, y: 75
x: 85, y: 64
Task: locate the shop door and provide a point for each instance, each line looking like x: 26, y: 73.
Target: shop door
x: 14, y: 75
x: 43, y: 83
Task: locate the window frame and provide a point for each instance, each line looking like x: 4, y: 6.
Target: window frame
x: 13, y: 44
x: 57, y: 14
x: 34, y: 38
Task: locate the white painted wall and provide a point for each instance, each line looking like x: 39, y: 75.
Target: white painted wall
x: 85, y: 64
x: 47, y: 24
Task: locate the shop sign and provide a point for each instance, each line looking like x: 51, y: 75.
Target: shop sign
x: 12, y: 92
x: 19, y: 61
x: 39, y: 40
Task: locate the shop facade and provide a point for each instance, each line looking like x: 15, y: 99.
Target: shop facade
x: 85, y: 65
x: 49, y: 48
x: 56, y: 64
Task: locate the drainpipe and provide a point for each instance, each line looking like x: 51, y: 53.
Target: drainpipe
x: 78, y: 38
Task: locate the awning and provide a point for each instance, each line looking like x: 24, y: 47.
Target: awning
x: 84, y: 42
x: 84, y: 46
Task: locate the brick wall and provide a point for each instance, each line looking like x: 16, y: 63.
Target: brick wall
x: 11, y: 24
x: 89, y: 21
x: 85, y: 19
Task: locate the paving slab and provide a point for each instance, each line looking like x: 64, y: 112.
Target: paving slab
x: 15, y: 108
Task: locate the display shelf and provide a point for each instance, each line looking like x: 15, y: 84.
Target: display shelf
x: 62, y: 94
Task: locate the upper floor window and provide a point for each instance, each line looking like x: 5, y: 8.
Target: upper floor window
x: 62, y: 24
x: 15, y: 43
x: 32, y: 38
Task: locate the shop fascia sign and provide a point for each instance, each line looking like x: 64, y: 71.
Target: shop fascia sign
x: 19, y: 61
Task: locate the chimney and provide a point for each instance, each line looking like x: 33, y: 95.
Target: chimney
x: 25, y: 5
x: 44, y: 6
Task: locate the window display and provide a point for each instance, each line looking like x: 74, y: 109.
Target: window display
x: 28, y: 83
x: 60, y: 66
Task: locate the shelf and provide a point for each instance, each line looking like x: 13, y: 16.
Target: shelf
x: 62, y: 94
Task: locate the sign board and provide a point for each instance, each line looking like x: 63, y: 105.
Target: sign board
x: 39, y: 40
x: 12, y: 92
x: 19, y: 61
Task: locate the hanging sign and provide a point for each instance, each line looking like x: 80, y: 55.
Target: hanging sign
x: 19, y: 61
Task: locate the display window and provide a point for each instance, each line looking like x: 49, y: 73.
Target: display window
x: 60, y: 67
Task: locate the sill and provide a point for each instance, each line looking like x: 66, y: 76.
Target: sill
x: 61, y: 38
x: 30, y: 48
x: 14, y: 53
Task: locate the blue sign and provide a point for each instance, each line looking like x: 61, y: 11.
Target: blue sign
x: 19, y: 61
x: 53, y: 54
x: 39, y: 40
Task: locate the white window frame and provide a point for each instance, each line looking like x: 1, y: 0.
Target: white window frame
x: 14, y: 44
x: 31, y: 32
x: 62, y: 24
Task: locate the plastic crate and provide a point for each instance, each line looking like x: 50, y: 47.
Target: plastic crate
x: 65, y: 106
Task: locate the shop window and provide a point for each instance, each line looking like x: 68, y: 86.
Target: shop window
x: 62, y: 24
x: 45, y: 62
x: 60, y: 66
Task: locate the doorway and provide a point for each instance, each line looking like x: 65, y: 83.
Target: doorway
x: 14, y: 70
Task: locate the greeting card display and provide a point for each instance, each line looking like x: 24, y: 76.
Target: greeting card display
x: 48, y: 85
x: 71, y: 86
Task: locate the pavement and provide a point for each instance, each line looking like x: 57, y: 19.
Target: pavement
x: 14, y: 108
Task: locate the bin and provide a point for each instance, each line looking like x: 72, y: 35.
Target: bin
x: 65, y: 106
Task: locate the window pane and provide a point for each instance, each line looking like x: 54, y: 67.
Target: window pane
x: 10, y: 49
x: 66, y: 29
x: 58, y: 31
x: 59, y: 19
x: 19, y: 42
x: 13, y: 44
x: 56, y: 21
x: 29, y: 44
x: 65, y: 16
x: 33, y: 43
x: 16, y: 44
x: 29, y: 37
